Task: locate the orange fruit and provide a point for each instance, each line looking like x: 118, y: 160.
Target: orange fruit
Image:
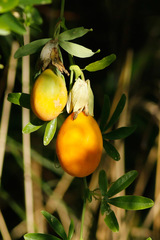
x: 79, y: 145
x: 48, y: 96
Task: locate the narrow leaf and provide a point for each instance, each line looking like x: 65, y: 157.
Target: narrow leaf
x: 50, y: 131
x: 33, y: 126
x: 105, y: 208
x: 111, y: 221
x: 119, y: 133
x: 103, y: 183
x: 21, y: 99
x: 122, y: 183
x: 73, y: 33
x: 111, y: 150
x: 55, y: 224
x: 71, y: 230
x: 101, y: 64
x: 131, y: 202
x: 105, y: 112
x: 117, y: 112
x: 39, y: 236
x: 10, y: 23
x: 31, y: 48
x: 76, y: 49
x: 87, y: 195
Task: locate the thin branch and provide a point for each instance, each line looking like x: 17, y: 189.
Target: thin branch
x: 7, y: 105
x: 3, y: 228
x: 26, y: 142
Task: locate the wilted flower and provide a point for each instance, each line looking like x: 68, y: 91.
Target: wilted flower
x: 81, y: 98
x: 49, y: 54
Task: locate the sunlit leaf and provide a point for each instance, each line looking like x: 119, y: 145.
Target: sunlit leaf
x: 119, y: 133
x: 55, y: 224
x: 117, y: 112
x: 50, y: 131
x: 111, y: 221
x: 71, y: 230
x: 122, y: 183
x: 73, y: 33
x: 105, y: 112
x: 76, y: 49
x: 34, y: 2
x: 39, y: 236
x: 101, y: 64
x: 11, y: 24
x: 131, y: 202
x: 31, y: 48
x: 111, y: 150
x: 33, y: 126
x: 103, y: 183
x: 6, y: 6
x: 21, y: 99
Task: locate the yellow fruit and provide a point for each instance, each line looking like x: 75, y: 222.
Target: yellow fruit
x: 79, y: 145
x: 48, y: 96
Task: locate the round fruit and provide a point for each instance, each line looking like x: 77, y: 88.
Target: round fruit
x: 48, y: 96
x: 79, y: 145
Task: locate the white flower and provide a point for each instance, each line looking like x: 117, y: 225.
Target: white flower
x: 81, y: 98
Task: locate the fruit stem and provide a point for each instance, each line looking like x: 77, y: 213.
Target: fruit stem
x: 83, y: 211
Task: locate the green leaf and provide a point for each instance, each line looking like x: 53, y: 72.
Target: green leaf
x: 111, y: 150
x: 105, y: 112
x: 149, y: 238
x: 122, y: 183
x: 117, y: 112
x: 31, y: 48
x: 9, y: 23
x: 34, y: 2
x: 119, y: 133
x: 21, y: 99
x: 71, y: 230
x: 88, y: 195
x: 6, y: 6
x: 55, y: 224
x: 111, y: 221
x: 73, y: 33
x: 101, y: 64
x: 39, y: 236
x: 103, y: 183
x: 76, y: 49
x: 131, y: 202
x: 33, y: 126
x: 50, y: 131
x: 105, y: 208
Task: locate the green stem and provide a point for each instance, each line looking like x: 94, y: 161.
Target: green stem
x: 83, y: 211
x: 62, y: 8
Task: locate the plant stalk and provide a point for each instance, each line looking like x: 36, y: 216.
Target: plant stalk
x: 83, y: 211
x: 62, y: 9
x: 26, y: 142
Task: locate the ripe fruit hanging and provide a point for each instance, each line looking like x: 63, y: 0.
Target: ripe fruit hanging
x: 79, y: 145
x: 48, y: 96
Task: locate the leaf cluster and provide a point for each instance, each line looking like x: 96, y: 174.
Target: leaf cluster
x: 127, y: 202
x: 10, y: 23
x: 56, y: 226
x: 107, y: 122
